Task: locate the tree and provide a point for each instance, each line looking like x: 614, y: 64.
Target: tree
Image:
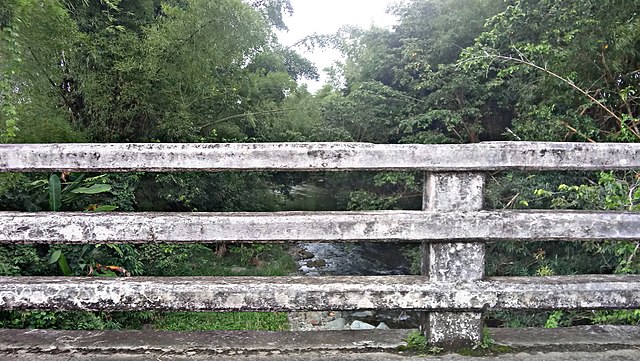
x: 429, y: 98
x: 36, y: 37
x: 575, y: 46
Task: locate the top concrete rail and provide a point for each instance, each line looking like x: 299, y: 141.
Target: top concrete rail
x: 157, y: 157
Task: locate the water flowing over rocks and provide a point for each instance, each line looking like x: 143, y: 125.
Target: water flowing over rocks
x: 331, y: 321
x: 364, y: 259
x: 332, y: 259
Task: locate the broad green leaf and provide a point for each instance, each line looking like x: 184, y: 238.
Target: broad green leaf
x: 55, y: 256
x: 54, y: 193
x: 94, y: 189
x: 64, y: 266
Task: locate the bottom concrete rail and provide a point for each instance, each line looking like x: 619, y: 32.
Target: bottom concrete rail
x: 606, y: 343
x: 610, y: 355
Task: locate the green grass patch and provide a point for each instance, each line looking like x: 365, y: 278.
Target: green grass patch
x: 417, y: 344
x: 205, y: 321
x: 200, y: 260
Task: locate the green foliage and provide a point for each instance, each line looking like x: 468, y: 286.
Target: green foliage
x: 204, y: 321
x: 417, y: 343
x: 413, y: 253
x: 203, y: 260
x: 252, y: 252
x: 127, y: 71
x: 613, y: 191
x: 84, y: 260
x: 11, y: 56
x: 76, y: 192
x: 601, y: 191
x: 194, y: 70
x: 534, y: 46
x: 404, y: 86
x: 32, y: 34
x: 487, y: 340
x: 273, y: 11
x: 55, y: 191
x: 8, y: 183
x: 554, y: 319
x: 206, y: 192
x: 44, y: 319
x: 386, y: 190
x: 371, y: 112
x: 58, y: 257
x: 74, y: 320
x: 617, y: 317
x: 20, y: 260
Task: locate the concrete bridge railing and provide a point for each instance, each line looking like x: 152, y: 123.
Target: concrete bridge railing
x: 452, y: 229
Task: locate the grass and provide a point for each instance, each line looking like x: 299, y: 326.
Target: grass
x: 275, y: 261
x: 205, y: 321
x: 417, y: 344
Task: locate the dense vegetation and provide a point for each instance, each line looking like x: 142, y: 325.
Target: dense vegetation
x: 450, y: 71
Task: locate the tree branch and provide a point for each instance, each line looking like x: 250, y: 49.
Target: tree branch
x: 218, y: 121
x: 523, y: 61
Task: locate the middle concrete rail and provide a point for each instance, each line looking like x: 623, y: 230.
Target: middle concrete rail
x: 317, y: 293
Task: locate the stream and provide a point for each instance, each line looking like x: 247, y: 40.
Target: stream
x: 362, y: 259
x: 341, y: 259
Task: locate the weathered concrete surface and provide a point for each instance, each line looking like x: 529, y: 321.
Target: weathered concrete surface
x: 450, y: 192
x: 453, y: 262
x: 610, y: 343
x: 589, y: 336
x: 454, y: 330
x: 215, y: 342
x: 156, y: 157
x: 611, y: 355
x: 377, y: 226
x: 317, y: 293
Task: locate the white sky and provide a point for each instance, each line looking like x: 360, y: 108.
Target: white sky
x: 326, y: 17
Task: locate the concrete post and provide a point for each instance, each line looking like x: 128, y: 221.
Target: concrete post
x: 451, y: 262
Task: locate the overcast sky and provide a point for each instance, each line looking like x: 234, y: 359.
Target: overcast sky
x: 326, y: 17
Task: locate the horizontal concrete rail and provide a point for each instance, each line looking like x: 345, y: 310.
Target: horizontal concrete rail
x: 171, y: 344
x: 317, y: 293
x: 377, y: 226
x: 157, y: 157
x: 212, y: 342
